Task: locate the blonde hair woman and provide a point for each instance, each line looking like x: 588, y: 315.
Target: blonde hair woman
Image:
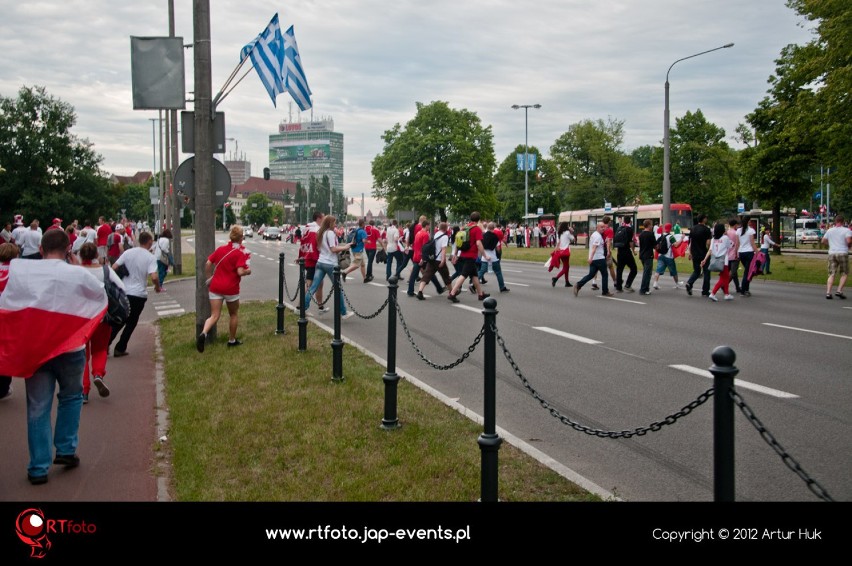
x: 225, y: 268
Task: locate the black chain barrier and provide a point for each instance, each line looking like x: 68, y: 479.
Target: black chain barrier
x: 653, y: 427
x: 364, y: 316
x: 287, y: 289
x: 463, y: 357
x: 790, y: 462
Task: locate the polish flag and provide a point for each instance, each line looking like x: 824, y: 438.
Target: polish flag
x: 48, y: 308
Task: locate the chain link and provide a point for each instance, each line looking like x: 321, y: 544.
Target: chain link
x: 790, y: 462
x: 374, y: 315
x: 286, y: 289
x: 655, y: 426
x: 463, y: 357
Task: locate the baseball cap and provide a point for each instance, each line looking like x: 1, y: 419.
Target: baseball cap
x: 667, y: 227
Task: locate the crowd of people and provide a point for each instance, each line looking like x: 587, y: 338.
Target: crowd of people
x: 54, y: 328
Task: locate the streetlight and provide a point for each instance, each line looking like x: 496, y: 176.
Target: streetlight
x: 526, y: 108
x: 667, y: 183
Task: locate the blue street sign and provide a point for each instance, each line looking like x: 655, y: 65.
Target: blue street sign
x: 531, y: 161
x: 818, y: 195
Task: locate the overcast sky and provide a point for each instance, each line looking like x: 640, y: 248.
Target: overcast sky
x: 369, y: 61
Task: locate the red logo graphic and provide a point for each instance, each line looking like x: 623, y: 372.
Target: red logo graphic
x: 31, y: 527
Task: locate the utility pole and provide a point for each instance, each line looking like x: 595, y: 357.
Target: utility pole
x: 173, y: 134
x: 204, y: 216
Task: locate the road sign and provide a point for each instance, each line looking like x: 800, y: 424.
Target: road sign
x: 184, y: 182
x: 741, y: 207
x: 607, y: 207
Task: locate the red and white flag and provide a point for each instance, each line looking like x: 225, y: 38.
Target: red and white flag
x: 48, y: 308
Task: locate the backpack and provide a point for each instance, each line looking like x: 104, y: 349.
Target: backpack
x: 118, y: 307
x: 662, y: 245
x: 621, y: 239
x: 429, y: 251
x: 463, y: 239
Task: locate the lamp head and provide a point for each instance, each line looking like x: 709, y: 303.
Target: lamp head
x: 536, y: 105
x: 515, y: 106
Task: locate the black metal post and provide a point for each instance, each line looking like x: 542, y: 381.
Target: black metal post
x: 489, y: 440
x: 303, y: 322
x: 280, y: 307
x: 337, y: 343
x: 723, y: 371
x: 391, y: 379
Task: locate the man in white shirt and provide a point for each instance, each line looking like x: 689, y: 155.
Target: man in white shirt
x: 141, y: 265
x: 392, y: 248
x: 839, y: 239
x: 597, y: 263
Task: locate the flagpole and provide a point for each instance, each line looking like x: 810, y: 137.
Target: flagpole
x: 219, y: 97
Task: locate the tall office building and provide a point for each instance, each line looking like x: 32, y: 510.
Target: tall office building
x: 304, y: 149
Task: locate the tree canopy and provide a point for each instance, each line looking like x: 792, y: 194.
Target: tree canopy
x: 49, y: 171
x: 441, y: 161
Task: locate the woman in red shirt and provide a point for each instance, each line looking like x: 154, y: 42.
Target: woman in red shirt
x: 224, y: 269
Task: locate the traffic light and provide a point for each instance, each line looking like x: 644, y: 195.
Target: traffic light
x: 266, y: 173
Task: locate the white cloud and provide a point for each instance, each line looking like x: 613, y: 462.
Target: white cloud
x: 368, y: 62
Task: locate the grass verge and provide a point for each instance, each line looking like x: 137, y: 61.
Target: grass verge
x: 265, y: 422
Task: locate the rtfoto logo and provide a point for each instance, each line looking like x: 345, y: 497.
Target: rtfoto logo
x: 32, y: 528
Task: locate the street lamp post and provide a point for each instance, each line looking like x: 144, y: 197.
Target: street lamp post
x: 526, y: 108
x: 667, y: 183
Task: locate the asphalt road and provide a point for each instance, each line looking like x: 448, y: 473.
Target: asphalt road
x: 621, y: 364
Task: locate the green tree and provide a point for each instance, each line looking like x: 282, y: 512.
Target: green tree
x: 595, y: 170
x: 442, y: 162
x: 136, y: 202
x: 546, y: 187
x: 703, y: 166
x: 49, y: 170
x: 258, y: 210
x: 230, y: 217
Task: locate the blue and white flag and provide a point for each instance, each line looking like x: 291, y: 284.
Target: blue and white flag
x: 267, y: 56
x: 294, y: 76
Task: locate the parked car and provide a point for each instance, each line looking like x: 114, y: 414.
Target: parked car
x: 810, y: 237
x: 272, y: 233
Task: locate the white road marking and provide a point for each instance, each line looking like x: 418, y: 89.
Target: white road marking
x: 166, y: 313
x: 623, y: 300
x: 738, y: 382
x: 806, y: 330
x: 515, y: 283
x: 582, y: 339
x: 512, y: 270
x: 471, y: 309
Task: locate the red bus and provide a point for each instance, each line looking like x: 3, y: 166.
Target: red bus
x: 580, y: 220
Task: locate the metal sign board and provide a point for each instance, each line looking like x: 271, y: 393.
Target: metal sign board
x: 157, y: 73
x: 187, y: 128
x: 184, y: 183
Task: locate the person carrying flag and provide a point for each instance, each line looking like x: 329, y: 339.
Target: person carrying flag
x: 44, y: 341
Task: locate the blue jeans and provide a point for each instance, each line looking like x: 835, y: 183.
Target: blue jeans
x: 67, y: 371
x: 162, y: 271
x: 498, y: 272
x: 594, y: 267
x: 399, y: 257
x: 323, y: 269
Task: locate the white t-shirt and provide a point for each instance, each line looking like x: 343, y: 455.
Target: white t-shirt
x: 720, y: 247
x: 29, y: 242
x: 565, y: 240
x: 140, y: 264
x: 441, y: 241
x: 597, y: 240
x: 392, y: 236
x: 836, y: 237
x: 98, y: 271
x: 746, y: 240
x: 329, y: 240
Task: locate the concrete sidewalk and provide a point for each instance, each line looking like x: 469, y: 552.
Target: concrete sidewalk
x: 119, y: 460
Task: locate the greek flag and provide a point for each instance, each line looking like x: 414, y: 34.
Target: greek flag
x: 294, y: 77
x: 267, y: 56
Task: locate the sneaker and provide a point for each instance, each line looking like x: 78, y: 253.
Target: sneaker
x: 118, y: 354
x: 103, y: 390
x: 504, y: 290
x: 828, y: 296
x: 576, y: 290
x: 343, y: 276
x: 483, y: 281
x: 471, y: 288
x: 747, y: 294
x: 729, y: 297
x: 595, y: 286
x: 347, y: 315
x: 85, y: 398
x: 199, y: 342
x: 71, y: 461
x: 713, y: 298
x: 234, y: 343
x: 553, y: 281
x: 689, y: 289
x: 420, y: 296
x: 619, y: 290
x: 645, y: 293
x: 840, y: 295
x: 607, y: 294
x: 655, y: 286
x: 452, y: 298
x: 569, y: 284
x: 322, y: 309
x: 37, y: 480
x: 483, y: 296
x: 629, y: 289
